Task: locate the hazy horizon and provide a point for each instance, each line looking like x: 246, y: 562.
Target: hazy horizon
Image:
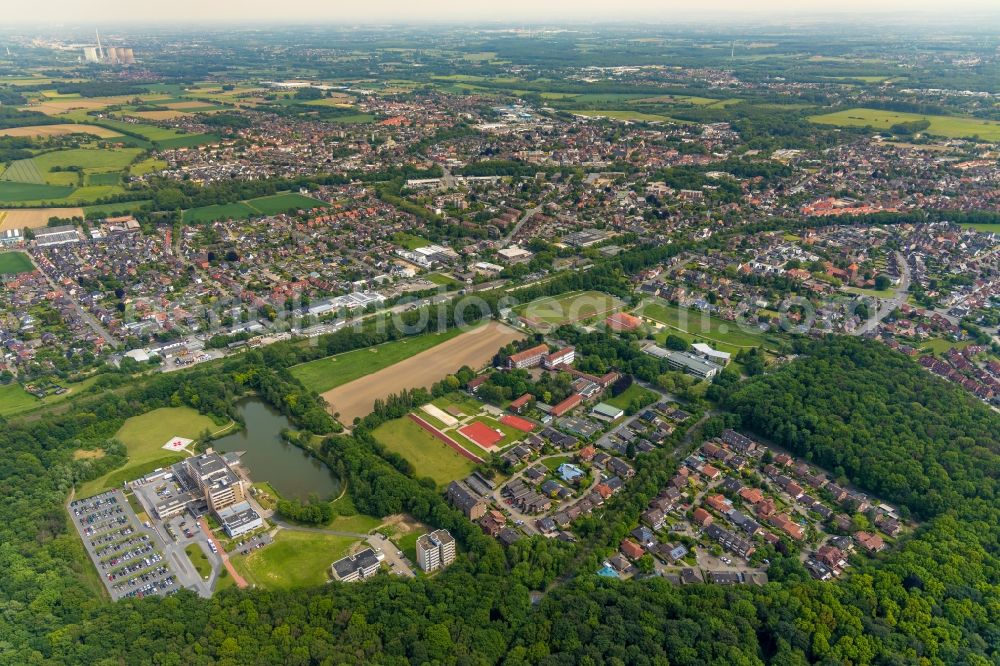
x: 51, y: 12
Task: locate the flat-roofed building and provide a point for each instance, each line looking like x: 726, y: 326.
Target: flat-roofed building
x: 689, y: 363
x: 359, y: 566
x: 435, y: 550
x: 56, y: 235
x: 221, y: 486
x: 239, y: 519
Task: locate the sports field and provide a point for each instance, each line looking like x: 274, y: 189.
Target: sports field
x: 481, y: 434
x: 12, y: 263
x: 333, y: 371
x: 295, y: 559
x: 428, y: 455
x: 473, y: 348
x: 568, y: 308
x: 284, y: 203
x: 954, y: 127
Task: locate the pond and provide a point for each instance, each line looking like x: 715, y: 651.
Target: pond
x: 290, y: 470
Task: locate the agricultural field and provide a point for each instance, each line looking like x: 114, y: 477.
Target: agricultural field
x: 163, y: 137
x: 90, y: 160
x: 23, y: 171
x: 954, y: 127
x: 428, y: 455
x: 116, y: 208
x: 330, y: 372
x: 147, y: 166
x: 568, y: 308
x: 473, y: 348
x: 284, y: 203
x: 696, y: 326
x: 14, y: 192
x: 685, y: 100
x: 295, y: 559
x: 12, y: 263
x: 59, y: 130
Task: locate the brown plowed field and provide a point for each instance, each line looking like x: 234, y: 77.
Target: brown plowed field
x: 473, y: 349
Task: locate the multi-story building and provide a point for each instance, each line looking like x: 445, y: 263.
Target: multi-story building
x: 564, y: 356
x: 216, y: 480
x: 529, y: 358
x: 435, y: 550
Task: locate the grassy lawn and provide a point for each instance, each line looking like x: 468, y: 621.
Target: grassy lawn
x: 149, y: 165
x: 408, y: 544
x: 429, y: 456
x: 948, y: 126
x: 236, y: 211
x: 199, y: 560
x: 939, y: 346
x: 409, y: 241
x: 633, y: 392
x: 571, y: 307
x: 552, y: 464
x: 295, y: 559
x: 326, y: 373
x: 360, y: 523
x: 876, y: 293
x: 985, y: 228
x: 443, y: 280
x: 469, y: 405
x: 12, y: 263
x: 14, y: 399
x: 284, y: 203
x: 144, y: 437
x: 721, y: 334
x: 117, y: 477
x: 116, y: 208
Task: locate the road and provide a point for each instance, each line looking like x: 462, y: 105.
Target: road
x: 517, y: 227
x: 397, y: 563
x: 888, y: 305
x: 85, y: 316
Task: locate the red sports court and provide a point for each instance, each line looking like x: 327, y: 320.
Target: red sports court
x: 481, y: 434
x: 524, y: 425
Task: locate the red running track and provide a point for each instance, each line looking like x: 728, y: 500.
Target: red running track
x: 444, y: 438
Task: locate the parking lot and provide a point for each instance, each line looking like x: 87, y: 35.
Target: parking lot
x: 128, y: 555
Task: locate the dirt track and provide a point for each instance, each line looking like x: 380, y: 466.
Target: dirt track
x: 473, y: 349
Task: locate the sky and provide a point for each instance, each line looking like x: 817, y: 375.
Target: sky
x: 404, y: 11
